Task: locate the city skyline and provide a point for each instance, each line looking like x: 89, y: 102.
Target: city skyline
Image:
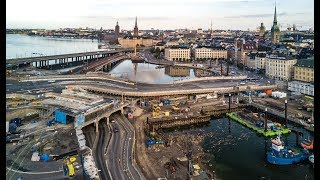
x: 224, y: 14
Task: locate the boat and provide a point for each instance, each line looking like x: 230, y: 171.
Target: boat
x: 311, y: 159
x: 282, y: 155
x: 159, y: 67
x: 307, y: 144
x: 135, y: 58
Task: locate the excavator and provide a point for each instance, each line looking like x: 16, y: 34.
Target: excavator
x: 156, y: 111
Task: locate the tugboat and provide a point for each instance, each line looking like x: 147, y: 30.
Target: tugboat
x: 282, y: 155
x: 307, y: 144
x: 135, y: 58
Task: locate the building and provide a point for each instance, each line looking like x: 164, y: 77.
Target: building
x: 245, y: 49
x: 260, y: 60
x: 177, y: 53
x: 117, y: 31
x: 304, y: 70
x: 175, y: 71
x: 159, y: 45
x: 301, y: 87
x: 279, y: 67
x: 275, y: 30
x: 131, y: 43
x: 135, y: 29
x: 250, y: 61
x: 262, y: 30
x: 203, y: 52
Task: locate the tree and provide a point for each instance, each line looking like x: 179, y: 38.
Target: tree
x: 157, y: 52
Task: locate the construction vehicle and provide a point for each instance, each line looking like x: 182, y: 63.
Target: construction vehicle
x: 175, y: 108
x: 156, y: 111
x: 255, y: 115
x: 70, y: 169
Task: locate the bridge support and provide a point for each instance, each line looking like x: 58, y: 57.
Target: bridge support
x: 97, y: 126
x: 108, y: 119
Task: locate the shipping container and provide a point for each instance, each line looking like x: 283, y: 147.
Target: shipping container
x: 268, y: 92
x: 62, y: 117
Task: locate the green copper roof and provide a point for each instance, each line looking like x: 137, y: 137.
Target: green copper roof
x: 308, y: 63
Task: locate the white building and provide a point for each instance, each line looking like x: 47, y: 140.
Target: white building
x: 302, y: 87
x: 260, y: 61
x: 177, y: 53
x: 210, y: 53
x: 279, y: 67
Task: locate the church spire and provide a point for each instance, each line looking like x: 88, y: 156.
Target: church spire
x: 136, y: 24
x: 275, y: 14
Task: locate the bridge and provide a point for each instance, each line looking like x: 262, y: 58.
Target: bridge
x: 156, y: 93
x: 105, y: 63
x: 44, y: 61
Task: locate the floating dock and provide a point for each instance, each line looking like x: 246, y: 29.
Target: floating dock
x: 257, y: 129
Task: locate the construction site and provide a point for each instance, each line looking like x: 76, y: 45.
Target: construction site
x: 54, y: 133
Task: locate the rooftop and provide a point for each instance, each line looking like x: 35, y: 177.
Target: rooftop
x: 308, y: 63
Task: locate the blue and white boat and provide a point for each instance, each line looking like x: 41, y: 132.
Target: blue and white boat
x: 283, y: 155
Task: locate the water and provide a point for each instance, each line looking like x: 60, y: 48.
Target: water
x: 241, y: 154
x: 18, y: 46
x: 148, y: 73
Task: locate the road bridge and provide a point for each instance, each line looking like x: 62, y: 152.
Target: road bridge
x: 44, y: 61
x: 172, y: 92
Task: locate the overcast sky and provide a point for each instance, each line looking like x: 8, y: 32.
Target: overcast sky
x: 162, y: 14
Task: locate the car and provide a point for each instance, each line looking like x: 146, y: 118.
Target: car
x: 112, y: 121
x: 115, y: 130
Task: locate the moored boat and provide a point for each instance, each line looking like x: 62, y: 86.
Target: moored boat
x: 282, y: 155
x: 307, y: 144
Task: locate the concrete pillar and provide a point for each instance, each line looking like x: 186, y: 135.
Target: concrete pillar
x: 97, y: 126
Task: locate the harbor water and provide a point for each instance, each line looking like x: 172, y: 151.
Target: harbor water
x: 236, y: 152
x: 20, y: 46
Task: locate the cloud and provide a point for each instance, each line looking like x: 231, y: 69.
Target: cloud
x: 256, y: 15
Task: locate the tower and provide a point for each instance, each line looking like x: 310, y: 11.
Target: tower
x: 135, y: 30
x: 117, y: 31
x: 275, y: 31
x: 262, y: 30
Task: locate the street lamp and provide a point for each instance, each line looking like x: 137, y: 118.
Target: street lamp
x: 265, y: 120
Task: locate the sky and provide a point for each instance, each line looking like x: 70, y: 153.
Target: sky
x: 162, y: 14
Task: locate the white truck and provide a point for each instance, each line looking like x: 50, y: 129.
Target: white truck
x: 278, y: 94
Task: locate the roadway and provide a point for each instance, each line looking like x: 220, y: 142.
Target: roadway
x: 120, y: 151
x: 100, y: 151
x: 61, y: 56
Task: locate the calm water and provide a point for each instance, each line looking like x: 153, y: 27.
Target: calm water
x: 240, y: 153
x: 23, y: 46
x: 148, y: 73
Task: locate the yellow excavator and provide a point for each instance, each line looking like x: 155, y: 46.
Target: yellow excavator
x: 156, y: 111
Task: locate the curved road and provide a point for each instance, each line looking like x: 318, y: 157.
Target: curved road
x: 120, y: 151
x: 100, y: 151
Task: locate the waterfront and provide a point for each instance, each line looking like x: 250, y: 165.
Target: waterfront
x: 240, y: 153
x: 18, y: 46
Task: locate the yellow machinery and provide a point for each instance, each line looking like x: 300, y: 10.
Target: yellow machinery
x: 35, y: 102
x: 156, y: 111
x: 70, y: 168
x: 255, y: 115
x: 72, y: 159
x: 175, y: 108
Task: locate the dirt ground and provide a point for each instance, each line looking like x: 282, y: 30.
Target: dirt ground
x: 170, y: 161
